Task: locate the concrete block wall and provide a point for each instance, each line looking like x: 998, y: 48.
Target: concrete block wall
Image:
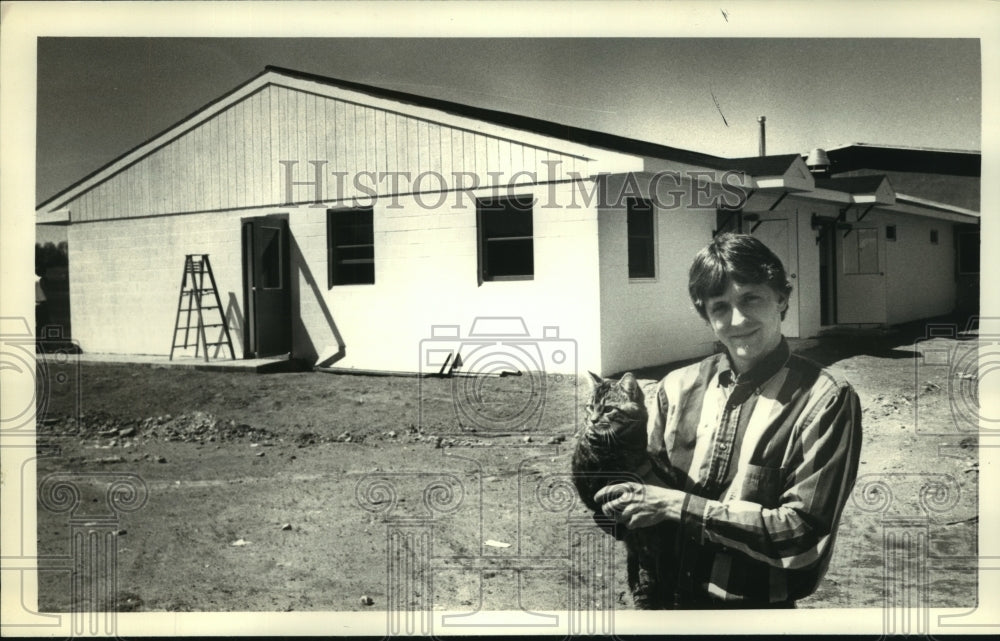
x: 127, y: 275
x: 651, y: 321
x: 426, y: 275
x: 914, y: 264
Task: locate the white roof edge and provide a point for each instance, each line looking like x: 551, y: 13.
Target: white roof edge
x: 923, y: 212
x: 55, y: 217
x: 937, y: 205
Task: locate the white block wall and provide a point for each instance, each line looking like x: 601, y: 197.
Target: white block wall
x: 651, y: 321
x: 127, y: 274
x: 426, y: 275
x: 126, y: 277
x: 920, y: 276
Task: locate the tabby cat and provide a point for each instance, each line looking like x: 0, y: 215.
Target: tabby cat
x: 611, y: 448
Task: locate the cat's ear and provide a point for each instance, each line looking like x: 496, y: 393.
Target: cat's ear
x: 628, y: 383
x: 595, y: 379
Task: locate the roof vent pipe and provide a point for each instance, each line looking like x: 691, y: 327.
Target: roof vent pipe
x: 761, y: 120
x: 818, y: 162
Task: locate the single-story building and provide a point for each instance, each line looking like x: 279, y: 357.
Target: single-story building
x: 368, y: 229
x: 928, y: 176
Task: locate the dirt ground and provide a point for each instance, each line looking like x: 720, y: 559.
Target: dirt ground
x: 317, y: 491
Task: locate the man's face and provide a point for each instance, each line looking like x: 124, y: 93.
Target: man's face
x: 747, y: 320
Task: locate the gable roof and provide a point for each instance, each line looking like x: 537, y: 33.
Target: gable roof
x: 783, y: 171
x: 274, y: 75
x: 579, y: 135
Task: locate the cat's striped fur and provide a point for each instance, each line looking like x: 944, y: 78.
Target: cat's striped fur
x: 611, y: 448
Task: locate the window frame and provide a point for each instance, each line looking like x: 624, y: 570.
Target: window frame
x: 332, y: 247
x: 278, y: 245
x: 486, y: 206
x: 633, y: 207
x: 853, y: 260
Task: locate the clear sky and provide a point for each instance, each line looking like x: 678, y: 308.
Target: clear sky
x: 99, y: 97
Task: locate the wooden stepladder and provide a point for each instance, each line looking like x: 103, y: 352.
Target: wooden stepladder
x: 194, y: 300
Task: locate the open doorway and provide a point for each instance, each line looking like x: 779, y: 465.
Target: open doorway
x: 827, y: 273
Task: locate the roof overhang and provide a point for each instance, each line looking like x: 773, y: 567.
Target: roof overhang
x: 596, y: 159
x: 796, y: 177
x: 845, y: 192
x: 763, y: 189
x: 931, y: 209
x: 55, y: 217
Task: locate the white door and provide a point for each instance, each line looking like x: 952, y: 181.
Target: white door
x: 860, y: 276
x: 779, y: 233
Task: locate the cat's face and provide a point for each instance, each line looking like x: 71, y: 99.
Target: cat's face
x: 614, y: 402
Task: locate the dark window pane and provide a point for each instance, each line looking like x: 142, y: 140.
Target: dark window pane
x: 968, y: 252
x: 641, y: 240
x: 354, y: 227
x: 506, y: 237
x: 506, y: 223
x: 270, y: 258
x: 510, y: 258
x: 351, y: 247
x: 640, y: 258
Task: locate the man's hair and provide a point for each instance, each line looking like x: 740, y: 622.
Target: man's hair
x: 736, y: 258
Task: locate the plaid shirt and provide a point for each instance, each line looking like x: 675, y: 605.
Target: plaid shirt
x: 767, y: 460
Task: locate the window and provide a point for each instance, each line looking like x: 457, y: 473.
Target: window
x: 890, y: 232
x: 270, y: 258
x: 506, y: 241
x: 861, y: 251
x: 641, y: 243
x: 350, y: 247
x: 934, y: 237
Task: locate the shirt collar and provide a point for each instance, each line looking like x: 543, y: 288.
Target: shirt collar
x: 759, y: 373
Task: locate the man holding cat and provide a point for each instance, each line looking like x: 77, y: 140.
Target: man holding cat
x: 755, y: 450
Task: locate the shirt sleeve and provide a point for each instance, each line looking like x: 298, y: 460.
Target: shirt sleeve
x: 656, y: 445
x: 818, y: 479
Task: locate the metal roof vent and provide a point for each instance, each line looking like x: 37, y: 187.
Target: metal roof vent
x: 818, y: 162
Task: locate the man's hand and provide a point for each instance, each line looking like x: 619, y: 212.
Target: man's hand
x: 636, y: 505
